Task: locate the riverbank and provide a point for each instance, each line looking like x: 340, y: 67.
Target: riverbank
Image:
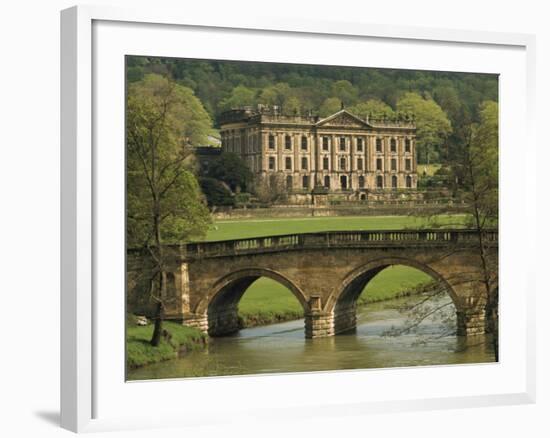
x: 180, y: 340
x: 268, y: 302
x: 283, y: 347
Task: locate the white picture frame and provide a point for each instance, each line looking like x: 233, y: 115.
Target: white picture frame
x: 82, y: 371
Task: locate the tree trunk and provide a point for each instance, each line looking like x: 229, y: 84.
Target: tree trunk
x: 159, y: 317
x: 157, y: 332
x: 492, y: 321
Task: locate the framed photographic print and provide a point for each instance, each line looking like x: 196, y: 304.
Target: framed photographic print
x: 253, y: 207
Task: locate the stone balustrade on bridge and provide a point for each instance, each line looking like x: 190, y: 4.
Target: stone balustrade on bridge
x: 339, y: 239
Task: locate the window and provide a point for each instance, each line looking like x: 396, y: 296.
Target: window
x: 408, y: 181
x: 408, y: 164
x: 344, y: 182
x: 378, y: 145
x: 288, y: 142
x: 327, y: 181
x: 304, y: 143
x: 271, y: 163
x: 305, y: 182
x: 380, y: 182
x: 271, y: 142
x: 359, y: 164
x: 407, y: 145
x: 393, y: 164
x: 289, y: 182
x: 325, y: 143
x: 393, y: 145
x: 342, y: 163
x: 325, y: 163
x: 394, y: 182
x: 342, y: 143
x: 379, y: 164
x: 361, y: 182
x: 359, y: 145
x: 304, y: 163
x: 288, y: 163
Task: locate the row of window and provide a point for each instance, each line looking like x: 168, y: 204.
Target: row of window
x: 344, y: 182
x: 343, y: 163
x: 341, y: 142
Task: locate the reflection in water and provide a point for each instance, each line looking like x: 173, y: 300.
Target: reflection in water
x: 282, y: 348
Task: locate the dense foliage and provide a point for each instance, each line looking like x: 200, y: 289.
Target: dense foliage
x: 232, y: 170
x: 163, y: 197
x: 300, y: 89
x: 216, y: 192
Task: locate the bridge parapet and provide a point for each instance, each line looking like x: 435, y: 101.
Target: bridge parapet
x: 339, y: 239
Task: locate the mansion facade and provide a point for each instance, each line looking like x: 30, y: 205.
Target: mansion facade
x: 342, y: 153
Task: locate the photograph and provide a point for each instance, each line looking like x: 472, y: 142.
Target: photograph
x: 289, y: 218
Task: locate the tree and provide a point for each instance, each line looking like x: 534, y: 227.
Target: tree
x: 432, y: 125
x: 268, y: 96
x: 481, y: 170
x: 374, y: 108
x: 344, y: 91
x: 240, y: 96
x: 232, y: 170
x: 164, y: 202
x: 330, y: 106
x: 292, y: 106
x: 272, y: 188
x: 217, y: 193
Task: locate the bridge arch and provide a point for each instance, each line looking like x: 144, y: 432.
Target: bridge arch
x: 342, y: 302
x: 221, y: 305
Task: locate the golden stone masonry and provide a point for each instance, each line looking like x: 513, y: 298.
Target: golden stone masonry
x: 340, y: 154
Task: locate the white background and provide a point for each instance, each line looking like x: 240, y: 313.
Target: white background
x: 29, y: 181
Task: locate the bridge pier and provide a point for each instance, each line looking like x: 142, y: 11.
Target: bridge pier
x: 197, y: 321
x: 345, y: 318
x: 471, y: 322
x: 223, y: 322
x: 319, y: 324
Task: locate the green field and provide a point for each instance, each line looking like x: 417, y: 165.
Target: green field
x: 241, y: 229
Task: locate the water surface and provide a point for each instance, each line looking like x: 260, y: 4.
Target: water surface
x: 282, y: 348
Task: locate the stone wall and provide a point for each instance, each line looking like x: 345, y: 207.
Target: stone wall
x: 293, y: 211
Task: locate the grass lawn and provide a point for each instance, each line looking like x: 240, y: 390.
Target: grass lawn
x: 241, y: 229
x: 139, y: 352
x: 267, y: 301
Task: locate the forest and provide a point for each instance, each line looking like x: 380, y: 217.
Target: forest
x: 444, y: 103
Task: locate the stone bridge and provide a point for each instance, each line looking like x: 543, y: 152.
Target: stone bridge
x: 325, y: 271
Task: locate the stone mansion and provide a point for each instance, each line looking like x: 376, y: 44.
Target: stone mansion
x: 340, y: 154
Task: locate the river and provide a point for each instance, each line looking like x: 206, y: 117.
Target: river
x: 282, y: 347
